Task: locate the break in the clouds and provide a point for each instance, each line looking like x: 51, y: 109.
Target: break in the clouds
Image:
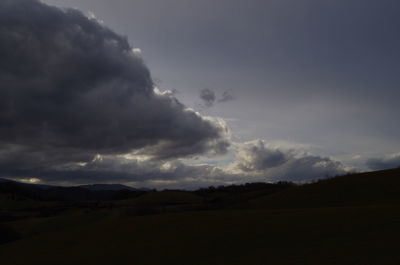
x: 385, y: 162
x: 71, y: 88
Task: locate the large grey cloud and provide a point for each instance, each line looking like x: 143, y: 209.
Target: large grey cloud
x: 274, y: 163
x: 385, y: 162
x: 71, y: 89
x: 258, y: 157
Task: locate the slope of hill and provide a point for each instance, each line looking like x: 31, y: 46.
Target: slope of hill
x: 356, y: 189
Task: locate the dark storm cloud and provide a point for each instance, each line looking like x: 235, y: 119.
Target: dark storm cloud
x: 207, y: 96
x: 71, y: 88
x: 387, y: 162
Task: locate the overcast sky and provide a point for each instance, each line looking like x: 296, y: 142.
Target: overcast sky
x: 291, y: 79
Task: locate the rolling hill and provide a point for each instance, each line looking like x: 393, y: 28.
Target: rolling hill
x: 356, y: 189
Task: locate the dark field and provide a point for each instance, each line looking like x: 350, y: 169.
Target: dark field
x: 353, y: 219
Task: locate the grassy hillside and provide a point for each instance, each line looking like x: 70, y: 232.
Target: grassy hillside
x: 356, y: 189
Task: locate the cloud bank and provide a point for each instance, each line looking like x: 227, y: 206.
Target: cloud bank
x: 255, y: 161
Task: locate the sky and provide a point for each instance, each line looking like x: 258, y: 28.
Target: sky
x: 175, y: 93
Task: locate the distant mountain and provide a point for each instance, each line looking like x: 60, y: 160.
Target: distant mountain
x: 42, y: 186
x: 90, y: 187
x: 77, y: 193
x: 107, y: 187
x: 6, y: 180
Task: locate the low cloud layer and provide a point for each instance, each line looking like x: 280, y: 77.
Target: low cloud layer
x: 386, y: 162
x: 255, y: 161
x: 71, y: 89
